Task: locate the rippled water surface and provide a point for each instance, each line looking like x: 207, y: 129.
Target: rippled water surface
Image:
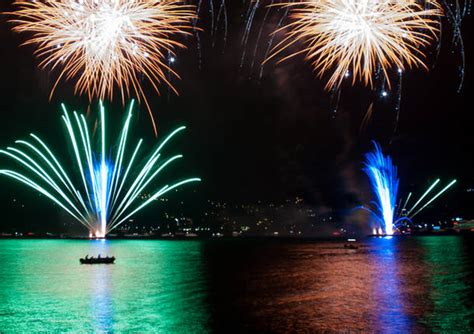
x: 390, y: 285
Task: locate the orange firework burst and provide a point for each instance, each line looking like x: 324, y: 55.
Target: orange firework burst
x: 357, y: 36
x: 106, y: 44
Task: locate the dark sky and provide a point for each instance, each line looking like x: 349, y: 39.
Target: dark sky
x: 273, y: 138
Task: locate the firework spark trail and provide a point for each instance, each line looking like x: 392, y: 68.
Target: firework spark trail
x: 398, y: 103
x: 358, y: 36
x: 197, y: 31
x: 335, y: 99
x: 106, y: 45
x: 249, y: 16
x: 367, y: 118
x: 409, y: 215
x: 260, y: 32
x: 442, y: 191
x: 406, y: 203
x: 272, y: 37
x: 216, y: 19
x: 219, y: 21
x: 455, y: 17
x: 252, y: 10
x: 423, y: 196
x: 211, y: 9
x: 107, y: 196
x: 222, y: 13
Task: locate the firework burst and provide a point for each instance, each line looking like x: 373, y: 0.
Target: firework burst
x: 359, y: 36
x: 384, y: 180
x: 109, y: 186
x: 106, y: 45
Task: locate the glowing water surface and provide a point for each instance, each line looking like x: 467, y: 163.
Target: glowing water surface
x: 199, y: 286
x: 154, y: 286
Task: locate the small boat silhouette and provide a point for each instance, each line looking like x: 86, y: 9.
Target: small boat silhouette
x: 97, y: 260
x: 350, y: 246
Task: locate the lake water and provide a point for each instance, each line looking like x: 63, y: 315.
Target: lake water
x: 199, y: 286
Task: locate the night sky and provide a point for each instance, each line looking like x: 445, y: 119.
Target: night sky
x: 264, y: 139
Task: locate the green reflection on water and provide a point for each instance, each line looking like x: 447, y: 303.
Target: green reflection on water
x: 155, y: 286
x: 448, y: 264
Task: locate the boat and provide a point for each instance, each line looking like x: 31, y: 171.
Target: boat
x: 97, y: 260
x: 350, y: 246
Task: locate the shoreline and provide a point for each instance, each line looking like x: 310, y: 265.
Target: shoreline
x: 275, y: 238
